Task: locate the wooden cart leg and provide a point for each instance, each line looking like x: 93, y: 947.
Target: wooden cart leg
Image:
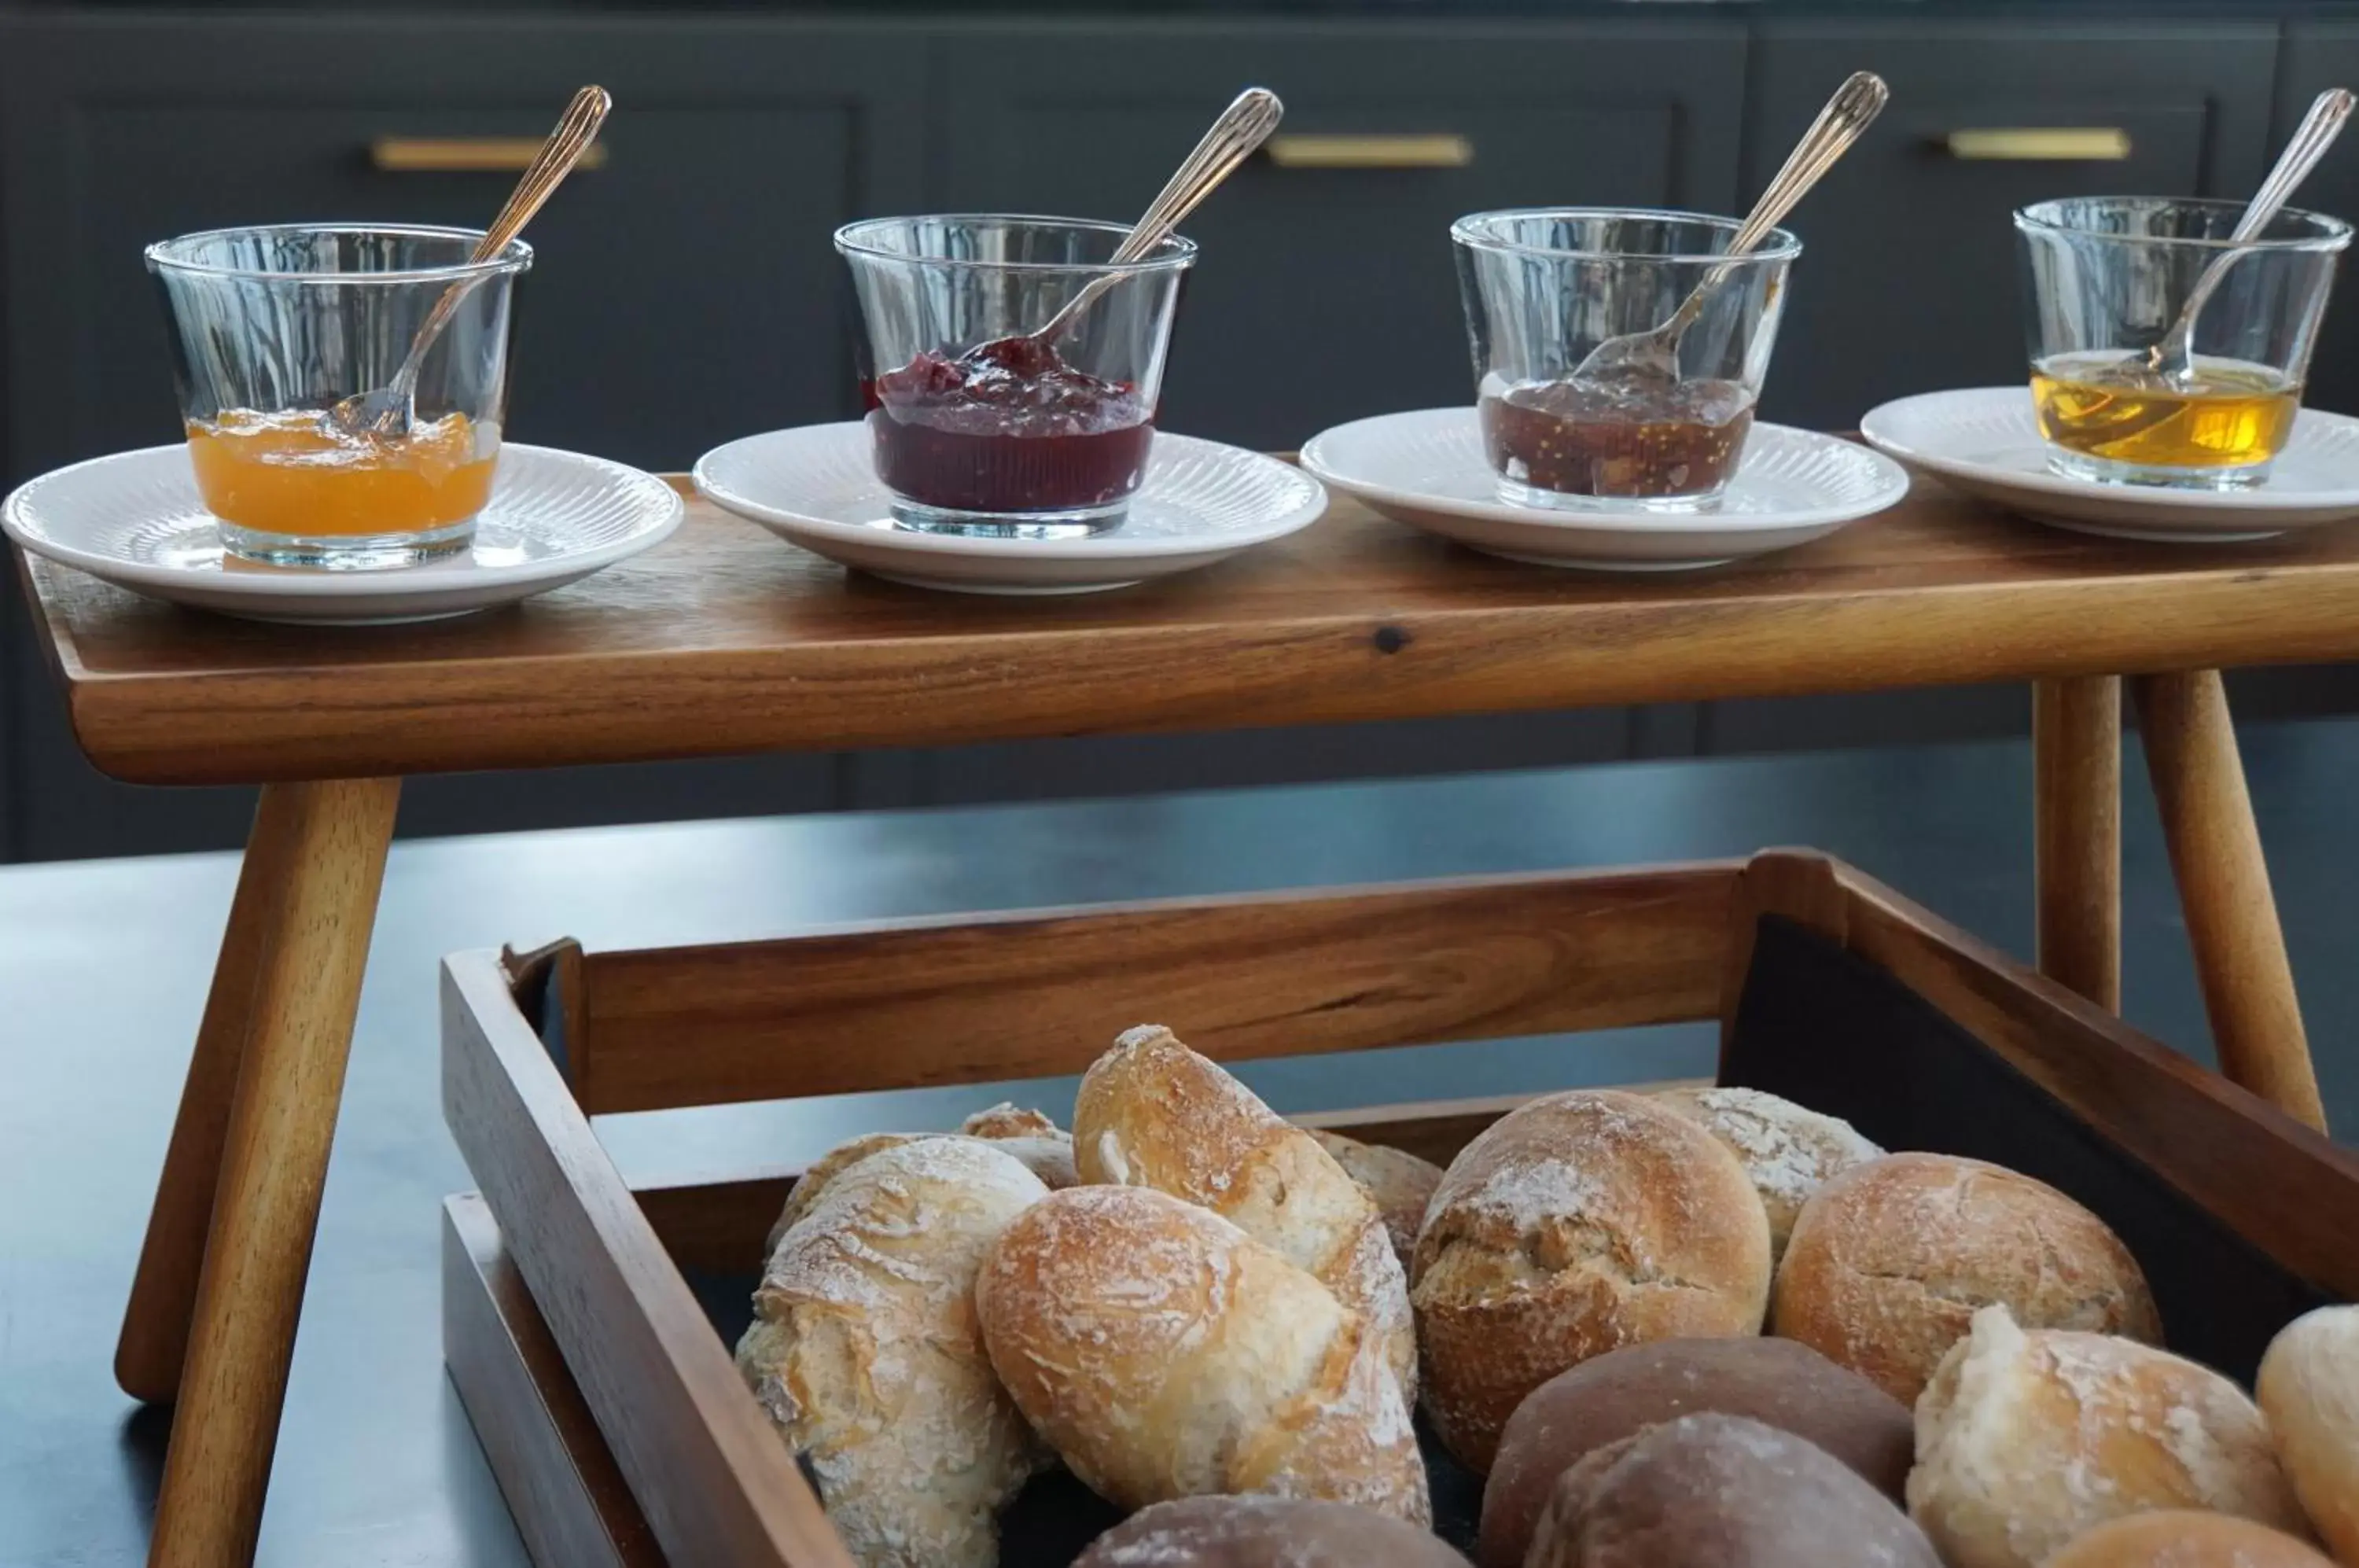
x: 2223, y: 889
x: 2076, y: 748
x: 310, y: 935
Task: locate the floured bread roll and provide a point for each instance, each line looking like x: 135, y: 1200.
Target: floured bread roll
x: 2308, y: 1387
x: 2182, y: 1538
x: 1788, y: 1151
x: 1030, y: 1136
x: 1574, y: 1224
x: 1152, y: 1113
x: 865, y: 1352
x: 1889, y: 1261
x: 1166, y: 1353
x: 2025, y: 1439
x: 1400, y: 1183
x: 1717, y: 1491
x: 1264, y: 1532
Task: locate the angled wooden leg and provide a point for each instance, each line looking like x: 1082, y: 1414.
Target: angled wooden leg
x: 2223, y: 888
x: 310, y: 935
x: 2076, y: 748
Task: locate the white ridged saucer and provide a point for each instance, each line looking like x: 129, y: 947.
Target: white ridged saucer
x: 1200, y: 502
x: 1985, y: 441
x: 1427, y: 469
x: 135, y: 519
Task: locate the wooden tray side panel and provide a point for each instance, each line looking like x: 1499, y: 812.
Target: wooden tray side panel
x: 2285, y: 1187
x: 560, y: 1480
x: 1039, y: 994
x: 717, y: 1485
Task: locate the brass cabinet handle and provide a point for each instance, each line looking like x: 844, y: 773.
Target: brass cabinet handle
x: 1351, y: 151
x: 2040, y: 144
x: 465, y: 155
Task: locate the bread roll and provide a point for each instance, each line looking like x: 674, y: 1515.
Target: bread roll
x: 2180, y: 1538
x: 1574, y: 1224
x: 865, y: 1353
x: 2025, y: 1439
x: 1398, y: 1183
x: 1166, y: 1353
x: 1264, y: 1532
x: 1622, y: 1392
x: 1889, y: 1261
x: 808, y: 1187
x: 2309, y: 1390
x: 1030, y: 1136
x: 1788, y: 1151
x: 1719, y: 1491
x: 1152, y: 1113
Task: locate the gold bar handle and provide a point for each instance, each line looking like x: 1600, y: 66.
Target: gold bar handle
x: 2040, y: 144
x: 466, y: 155
x: 1351, y: 151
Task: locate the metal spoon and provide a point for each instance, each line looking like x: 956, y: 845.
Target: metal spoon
x: 387, y: 410
x: 1655, y: 355
x: 1243, y: 126
x: 2173, y: 356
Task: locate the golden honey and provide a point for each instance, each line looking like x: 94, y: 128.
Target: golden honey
x: 292, y: 474
x: 2109, y: 406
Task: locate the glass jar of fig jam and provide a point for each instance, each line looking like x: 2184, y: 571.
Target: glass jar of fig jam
x: 980, y: 422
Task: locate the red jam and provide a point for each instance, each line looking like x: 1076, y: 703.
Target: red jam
x: 1006, y: 427
x: 1633, y: 437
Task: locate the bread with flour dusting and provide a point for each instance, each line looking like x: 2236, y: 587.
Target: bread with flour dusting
x: 865, y: 1352
x: 1264, y: 1532
x: 1164, y: 1352
x: 2025, y: 1439
x: 1044, y: 1148
x: 1788, y: 1151
x: 2308, y: 1387
x: 1398, y: 1182
x: 1152, y: 1113
x: 1576, y: 1224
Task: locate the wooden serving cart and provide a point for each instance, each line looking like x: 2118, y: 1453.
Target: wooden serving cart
x: 725, y: 641
x: 601, y: 1381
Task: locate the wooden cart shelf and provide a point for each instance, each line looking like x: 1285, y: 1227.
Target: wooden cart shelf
x: 727, y: 641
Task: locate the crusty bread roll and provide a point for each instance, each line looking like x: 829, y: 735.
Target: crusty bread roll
x: 1575, y: 1223
x: 808, y: 1187
x: 1045, y: 1150
x: 1264, y: 1532
x: 1890, y: 1260
x: 1788, y: 1151
x: 865, y: 1352
x: 1719, y: 1491
x: 2183, y: 1538
x: 1622, y: 1392
x: 1398, y: 1183
x: 2308, y: 1387
x: 1152, y: 1113
x: 2025, y: 1439
x: 1166, y: 1353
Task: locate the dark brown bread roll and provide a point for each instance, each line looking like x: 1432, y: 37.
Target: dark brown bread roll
x: 1715, y: 1491
x: 1264, y: 1532
x: 1618, y: 1394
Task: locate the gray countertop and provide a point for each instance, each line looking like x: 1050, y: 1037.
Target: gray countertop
x: 103, y: 967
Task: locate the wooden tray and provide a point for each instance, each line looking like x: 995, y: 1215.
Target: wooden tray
x: 588, y: 1325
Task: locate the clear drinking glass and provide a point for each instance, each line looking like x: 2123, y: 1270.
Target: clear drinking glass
x: 2104, y: 280
x: 1545, y: 286
x: 272, y: 326
x: 979, y: 428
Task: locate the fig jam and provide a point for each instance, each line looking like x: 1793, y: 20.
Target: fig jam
x: 1006, y: 427
x: 1636, y: 437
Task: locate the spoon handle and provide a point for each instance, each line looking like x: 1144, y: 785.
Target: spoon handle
x: 1243, y: 126
x: 2310, y: 140
x: 1853, y: 107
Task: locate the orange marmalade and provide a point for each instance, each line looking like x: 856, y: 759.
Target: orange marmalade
x: 292, y: 474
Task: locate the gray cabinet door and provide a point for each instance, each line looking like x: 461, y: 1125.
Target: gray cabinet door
x: 1909, y: 280
x: 1324, y: 294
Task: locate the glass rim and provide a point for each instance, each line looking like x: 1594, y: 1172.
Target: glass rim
x: 1778, y: 244
x: 1176, y: 251
x: 513, y: 257
x: 2331, y: 233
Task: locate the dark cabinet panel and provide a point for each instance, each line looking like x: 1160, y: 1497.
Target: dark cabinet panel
x: 1908, y: 282
x: 2318, y: 57
x: 1324, y: 294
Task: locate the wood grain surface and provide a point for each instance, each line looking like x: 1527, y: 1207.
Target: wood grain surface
x: 728, y: 640
x: 2076, y: 750
x: 1044, y: 992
